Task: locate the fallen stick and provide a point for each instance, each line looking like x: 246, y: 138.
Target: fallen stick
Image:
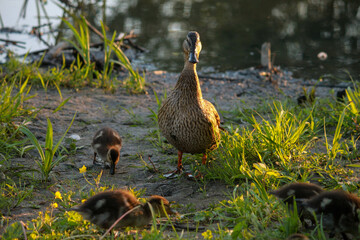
x: 325, y: 85
x: 93, y: 45
x: 15, y: 43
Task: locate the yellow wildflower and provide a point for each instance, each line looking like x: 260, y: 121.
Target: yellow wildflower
x: 54, y: 205
x: 207, y: 235
x: 83, y: 169
x: 58, y: 195
x: 84, y: 200
x: 33, y: 236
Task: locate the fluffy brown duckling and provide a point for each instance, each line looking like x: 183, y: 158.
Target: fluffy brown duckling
x: 297, y: 236
x: 189, y: 122
x: 107, y: 144
x: 299, y: 192
x: 338, y: 210
x: 103, y: 209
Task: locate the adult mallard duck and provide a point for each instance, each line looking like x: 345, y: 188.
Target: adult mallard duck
x: 103, y: 209
x: 189, y: 122
x: 338, y: 210
x: 107, y: 144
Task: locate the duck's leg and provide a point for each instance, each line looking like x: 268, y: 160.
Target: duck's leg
x: 179, y: 168
x: 179, y: 165
x: 204, y: 158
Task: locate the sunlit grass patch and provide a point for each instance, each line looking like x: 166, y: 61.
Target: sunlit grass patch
x: 248, y: 213
x: 273, y: 144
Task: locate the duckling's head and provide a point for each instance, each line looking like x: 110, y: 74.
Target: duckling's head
x: 192, y: 47
x: 160, y: 205
x: 113, y: 157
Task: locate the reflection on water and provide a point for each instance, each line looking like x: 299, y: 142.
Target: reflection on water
x: 10, y: 18
x: 232, y: 31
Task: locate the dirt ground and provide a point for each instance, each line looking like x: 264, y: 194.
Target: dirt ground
x: 96, y: 109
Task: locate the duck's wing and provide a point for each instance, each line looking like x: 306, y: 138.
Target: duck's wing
x: 209, y: 108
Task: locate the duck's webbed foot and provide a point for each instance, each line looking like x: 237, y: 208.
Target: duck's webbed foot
x: 179, y: 168
x: 96, y: 162
x: 174, y: 173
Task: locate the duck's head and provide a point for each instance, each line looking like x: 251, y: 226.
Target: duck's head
x: 112, y: 158
x: 192, y: 47
x: 160, y: 205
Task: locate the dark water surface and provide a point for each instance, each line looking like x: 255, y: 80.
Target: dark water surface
x: 232, y: 32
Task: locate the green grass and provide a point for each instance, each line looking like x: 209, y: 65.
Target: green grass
x: 274, y: 145
x: 82, y: 71
x: 158, y: 140
x: 12, y: 194
x: 47, y: 152
x: 278, y: 144
x: 12, y: 104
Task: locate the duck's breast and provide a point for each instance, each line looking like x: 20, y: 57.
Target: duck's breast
x: 190, y: 128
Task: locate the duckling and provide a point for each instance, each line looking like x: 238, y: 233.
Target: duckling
x: 299, y: 192
x: 189, y: 122
x: 338, y: 210
x: 104, y: 208
x: 107, y: 143
x: 297, y: 236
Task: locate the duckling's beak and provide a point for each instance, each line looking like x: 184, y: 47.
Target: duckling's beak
x: 112, y: 168
x: 192, y: 57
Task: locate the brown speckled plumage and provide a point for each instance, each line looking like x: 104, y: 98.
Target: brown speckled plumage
x: 300, y: 192
x: 107, y: 144
x: 338, y: 210
x: 103, y: 209
x: 189, y: 122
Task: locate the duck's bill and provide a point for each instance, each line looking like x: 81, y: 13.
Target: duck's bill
x: 193, y: 58
x: 112, y: 168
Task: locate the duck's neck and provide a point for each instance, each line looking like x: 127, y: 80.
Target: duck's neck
x: 143, y: 215
x: 188, y: 84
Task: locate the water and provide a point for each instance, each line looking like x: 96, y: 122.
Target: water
x: 232, y: 32
x: 10, y: 17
